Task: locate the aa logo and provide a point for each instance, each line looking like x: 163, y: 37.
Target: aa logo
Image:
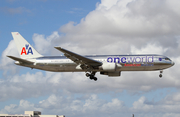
x: 26, y: 50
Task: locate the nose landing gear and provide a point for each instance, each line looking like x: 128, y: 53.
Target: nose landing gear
x: 92, y: 76
x: 160, y: 75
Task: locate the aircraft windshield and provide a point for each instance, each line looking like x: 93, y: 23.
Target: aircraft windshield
x: 160, y: 59
x: 167, y: 59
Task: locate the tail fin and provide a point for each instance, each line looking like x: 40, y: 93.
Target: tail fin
x: 24, y: 48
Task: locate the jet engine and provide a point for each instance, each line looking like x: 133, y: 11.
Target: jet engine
x: 110, y: 67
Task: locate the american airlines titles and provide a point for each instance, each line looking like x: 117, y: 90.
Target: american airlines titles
x: 26, y: 50
x: 132, y: 60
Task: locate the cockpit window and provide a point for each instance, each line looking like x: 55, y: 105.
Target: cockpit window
x: 160, y: 59
x: 167, y: 59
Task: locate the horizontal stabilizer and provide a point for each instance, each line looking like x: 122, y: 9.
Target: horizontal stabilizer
x: 19, y: 59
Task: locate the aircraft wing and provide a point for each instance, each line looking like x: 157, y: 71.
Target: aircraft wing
x: 79, y: 59
x: 19, y: 59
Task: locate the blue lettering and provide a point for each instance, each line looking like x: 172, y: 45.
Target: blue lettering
x: 27, y: 45
x: 137, y: 59
x: 29, y: 51
x: 117, y: 59
x: 147, y: 65
x: 131, y: 60
x: 109, y: 60
x: 144, y: 59
x: 123, y: 60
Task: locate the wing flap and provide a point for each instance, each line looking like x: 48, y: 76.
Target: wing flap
x: 79, y: 59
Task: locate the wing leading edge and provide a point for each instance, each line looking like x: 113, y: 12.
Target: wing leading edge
x: 79, y: 59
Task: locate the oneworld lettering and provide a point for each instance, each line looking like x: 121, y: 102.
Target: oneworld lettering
x: 131, y: 59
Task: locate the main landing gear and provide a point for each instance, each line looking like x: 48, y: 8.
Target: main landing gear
x: 160, y: 75
x: 92, y: 76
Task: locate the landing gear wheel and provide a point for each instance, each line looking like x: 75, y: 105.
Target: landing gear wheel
x: 95, y: 79
x: 87, y: 74
x: 92, y: 76
x: 160, y: 75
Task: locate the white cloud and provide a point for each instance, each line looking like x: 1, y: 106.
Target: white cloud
x: 149, y: 49
x: 141, y: 105
x: 93, y: 105
x: 7, y: 64
x: 166, y: 107
x: 68, y: 106
x: 127, y: 18
x: 15, y: 109
x: 45, y: 45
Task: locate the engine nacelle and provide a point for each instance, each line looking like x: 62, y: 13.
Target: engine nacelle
x: 111, y: 74
x: 110, y: 67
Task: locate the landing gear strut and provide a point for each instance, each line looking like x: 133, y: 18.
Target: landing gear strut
x: 160, y: 75
x: 92, y: 76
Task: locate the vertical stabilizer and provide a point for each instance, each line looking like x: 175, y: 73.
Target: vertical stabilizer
x: 24, y: 48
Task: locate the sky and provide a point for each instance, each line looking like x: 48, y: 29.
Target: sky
x: 91, y: 27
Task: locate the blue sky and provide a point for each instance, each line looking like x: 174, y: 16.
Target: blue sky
x: 91, y: 27
x: 41, y: 17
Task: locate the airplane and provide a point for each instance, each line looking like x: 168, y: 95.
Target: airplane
x: 110, y: 65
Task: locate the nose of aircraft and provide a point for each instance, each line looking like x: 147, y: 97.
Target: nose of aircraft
x: 172, y: 63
